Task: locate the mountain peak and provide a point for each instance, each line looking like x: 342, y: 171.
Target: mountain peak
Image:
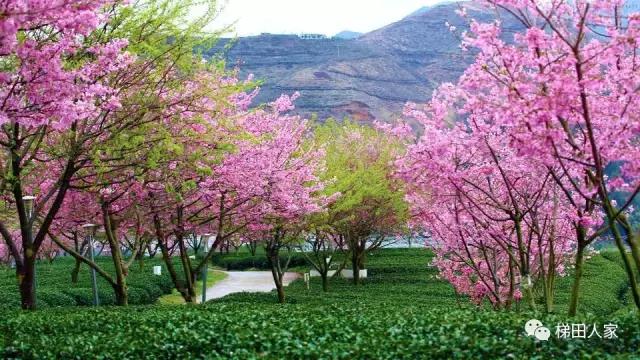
x: 347, y: 35
x: 420, y: 11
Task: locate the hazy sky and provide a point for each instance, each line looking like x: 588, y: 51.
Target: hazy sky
x: 327, y: 17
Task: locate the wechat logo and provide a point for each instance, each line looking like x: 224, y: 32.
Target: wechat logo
x: 535, y: 328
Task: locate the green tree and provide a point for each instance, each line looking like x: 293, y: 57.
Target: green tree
x: 371, y: 208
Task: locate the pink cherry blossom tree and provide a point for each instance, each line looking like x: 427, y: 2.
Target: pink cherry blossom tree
x: 562, y: 95
x: 46, y: 112
x: 571, y: 84
x: 497, y: 220
x: 290, y: 186
x: 251, y: 174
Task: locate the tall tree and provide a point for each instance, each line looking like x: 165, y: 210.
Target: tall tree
x: 371, y: 207
x: 54, y: 90
x: 564, y: 92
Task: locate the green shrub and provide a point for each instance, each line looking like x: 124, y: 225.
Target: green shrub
x: 54, y: 286
x: 154, y: 291
x: 401, y: 311
x: 81, y: 296
x: 244, y: 261
x: 55, y: 299
x: 298, y: 331
x: 603, y: 287
x: 9, y: 299
x: 138, y: 296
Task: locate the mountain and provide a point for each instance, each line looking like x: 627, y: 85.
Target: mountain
x: 347, y: 35
x: 421, y: 11
x: 366, y: 78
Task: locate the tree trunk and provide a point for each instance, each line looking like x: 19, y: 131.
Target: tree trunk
x: 551, y: 281
x: 189, y: 276
x: 253, y: 246
x: 273, y: 257
x: 575, y: 290
x: 75, y: 271
x: 166, y: 256
x: 325, y: 281
x: 122, y: 297
x: 279, y: 287
x: 120, y: 287
x: 26, y: 281
x: 631, y: 272
x: 631, y: 241
x: 355, y: 266
x: 512, y: 285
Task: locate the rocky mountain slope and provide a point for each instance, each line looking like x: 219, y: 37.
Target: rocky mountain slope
x: 371, y: 76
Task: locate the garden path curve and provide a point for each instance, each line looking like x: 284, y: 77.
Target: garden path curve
x: 246, y: 281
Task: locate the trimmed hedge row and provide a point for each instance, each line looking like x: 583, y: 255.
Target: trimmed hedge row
x: 55, y: 289
x: 247, y: 261
x: 402, y: 310
x: 297, y: 331
x: 603, y: 287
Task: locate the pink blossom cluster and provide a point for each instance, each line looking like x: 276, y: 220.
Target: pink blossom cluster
x: 511, y: 166
x: 252, y: 172
x: 40, y: 87
x: 493, y: 217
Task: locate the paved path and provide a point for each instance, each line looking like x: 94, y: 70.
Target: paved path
x: 246, y: 281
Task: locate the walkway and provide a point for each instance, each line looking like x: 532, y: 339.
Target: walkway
x: 246, y: 281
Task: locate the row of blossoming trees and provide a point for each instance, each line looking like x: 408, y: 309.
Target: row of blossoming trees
x: 509, y: 175
x: 111, y: 117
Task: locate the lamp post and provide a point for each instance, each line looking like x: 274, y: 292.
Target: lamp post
x: 28, y: 207
x: 205, y: 268
x: 91, y: 229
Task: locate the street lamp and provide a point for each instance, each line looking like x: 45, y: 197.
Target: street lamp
x: 28, y: 207
x: 91, y: 229
x: 28, y: 204
x: 205, y: 268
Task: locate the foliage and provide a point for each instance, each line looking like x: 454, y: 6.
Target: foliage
x: 259, y: 262
x: 554, y: 104
x: 402, y: 311
x: 220, y: 331
x: 55, y: 289
x: 371, y: 205
x: 358, y: 167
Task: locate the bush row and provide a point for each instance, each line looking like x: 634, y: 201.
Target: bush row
x: 247, y: 261
x: 55, y: 289
x: 239, y: 331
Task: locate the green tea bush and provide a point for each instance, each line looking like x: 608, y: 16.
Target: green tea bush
x: 55, y: 289
x: 9, y: 299
x: 604, y: 286
x: 55, y: 299
x: 81, y: 296
x: 357, y: 331
x: 402, y: 310
x: 138, y: 296
x: 244, y: 261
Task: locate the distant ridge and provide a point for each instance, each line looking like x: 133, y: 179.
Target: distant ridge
x: 420, y: 11
x: 347, y: 35
x: 365, y: 78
